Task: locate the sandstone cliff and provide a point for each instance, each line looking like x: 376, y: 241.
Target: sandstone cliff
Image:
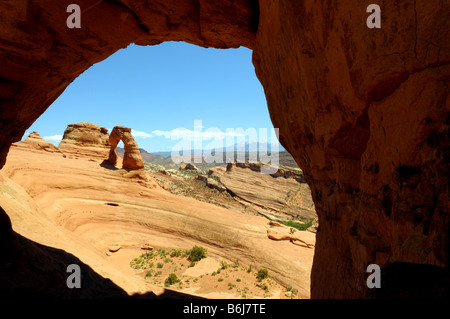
x: 276, y: 195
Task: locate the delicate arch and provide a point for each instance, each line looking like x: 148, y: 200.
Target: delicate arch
x: 132, y: 158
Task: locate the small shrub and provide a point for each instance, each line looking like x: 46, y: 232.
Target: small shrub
x: 176, y: 252
x: 224, y: 264
x: 172, y: 279
x: 220, y: 279
x: 262, y: 274
x: 238, y: 280
x: 197, y: 253
x: 159, y: 265
x: 298, y: 226
x: 249, y: 270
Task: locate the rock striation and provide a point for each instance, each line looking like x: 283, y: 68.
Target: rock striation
x: 85, y: 140
x: 132, y: 159
x: 278, y: 232
x: 271, y: 195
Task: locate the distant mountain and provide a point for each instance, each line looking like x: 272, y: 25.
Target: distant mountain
x: 253, y: 146
x: 163, y: 154
x: 146, y: 156
x: 165, y: 159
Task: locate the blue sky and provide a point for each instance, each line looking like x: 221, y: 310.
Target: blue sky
x: 157, y: 90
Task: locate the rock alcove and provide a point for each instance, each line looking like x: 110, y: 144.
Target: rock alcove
x: 363, y: 111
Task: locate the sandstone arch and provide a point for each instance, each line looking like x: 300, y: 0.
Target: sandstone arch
x: 364, y: 112
x: 132, y: 158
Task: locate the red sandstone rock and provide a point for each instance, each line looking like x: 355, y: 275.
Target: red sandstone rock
x: 365, y: 114
x: 363, y: 111
x: 35, y: 142
x: 132, y: 158
x: 85, y: 140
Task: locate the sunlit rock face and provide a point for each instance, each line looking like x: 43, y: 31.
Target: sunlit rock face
x: 363, y: 111
x: 132, y: 158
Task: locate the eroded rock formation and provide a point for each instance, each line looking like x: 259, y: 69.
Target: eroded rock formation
x: 35, y: 142
x: 364, y: 112
x: 132, y: 158
x: 85, y: 140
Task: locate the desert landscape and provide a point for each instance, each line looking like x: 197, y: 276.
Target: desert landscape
x: 137, y: 226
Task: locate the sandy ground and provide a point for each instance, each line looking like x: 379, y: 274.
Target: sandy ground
x: 85, y: 208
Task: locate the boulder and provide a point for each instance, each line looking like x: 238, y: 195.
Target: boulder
x: 214, y: 184
x: 188, y: 167
x: 146, y: 247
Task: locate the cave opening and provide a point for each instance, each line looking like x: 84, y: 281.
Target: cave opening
x: 355, y: 107
x: 158, y: 96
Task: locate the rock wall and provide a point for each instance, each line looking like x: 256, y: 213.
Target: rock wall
x: 132, y: 158
x: 363, y: 111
